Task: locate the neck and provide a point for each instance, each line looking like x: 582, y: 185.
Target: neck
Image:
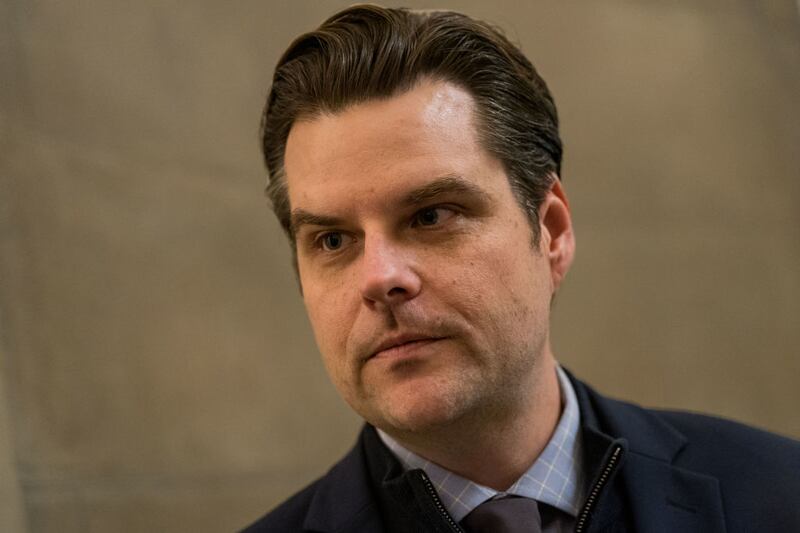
x: 495, y: 449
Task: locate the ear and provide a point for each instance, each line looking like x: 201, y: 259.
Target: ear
x: 557, y: 240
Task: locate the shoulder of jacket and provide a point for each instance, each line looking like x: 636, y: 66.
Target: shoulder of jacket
x: 728, y: 440
x: 288, y: 516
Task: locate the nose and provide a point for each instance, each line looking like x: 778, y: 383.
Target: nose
x: 388, y: 277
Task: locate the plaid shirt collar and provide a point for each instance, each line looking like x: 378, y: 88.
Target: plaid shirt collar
x: 556, y: 478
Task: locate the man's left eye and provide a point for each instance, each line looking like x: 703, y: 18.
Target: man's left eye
x: 431, y: 216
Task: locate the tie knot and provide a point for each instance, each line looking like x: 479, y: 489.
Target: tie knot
x: 511, y: 514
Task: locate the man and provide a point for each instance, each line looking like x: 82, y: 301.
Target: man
x: 414, y: 164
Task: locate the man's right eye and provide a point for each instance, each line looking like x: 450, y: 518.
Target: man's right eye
x: 331, y: 241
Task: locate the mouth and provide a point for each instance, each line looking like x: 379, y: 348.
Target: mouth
x: 404, y: 346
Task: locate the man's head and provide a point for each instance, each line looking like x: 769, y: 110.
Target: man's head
x: 368, y: 52
x: 427, y: 270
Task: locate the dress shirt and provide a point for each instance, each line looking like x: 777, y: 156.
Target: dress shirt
x: 556, y: 478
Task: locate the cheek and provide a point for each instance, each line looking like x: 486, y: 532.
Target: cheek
x: 502, y: 287
x: 332, y: 310
x: 328, y: 320
x: 472, y: 287
x: 329, y: 327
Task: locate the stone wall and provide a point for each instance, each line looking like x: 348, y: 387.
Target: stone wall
x: 158, y: 373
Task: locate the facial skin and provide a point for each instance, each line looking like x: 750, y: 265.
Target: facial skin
x: 409, y: 238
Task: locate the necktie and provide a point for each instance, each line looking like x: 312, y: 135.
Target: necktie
x: 511, y: 514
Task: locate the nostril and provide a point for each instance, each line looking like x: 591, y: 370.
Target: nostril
x: 396, y: 291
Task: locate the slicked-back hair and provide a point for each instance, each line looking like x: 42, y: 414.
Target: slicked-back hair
x: 368, y: 52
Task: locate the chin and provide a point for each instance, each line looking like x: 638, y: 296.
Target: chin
x: 421, y: 409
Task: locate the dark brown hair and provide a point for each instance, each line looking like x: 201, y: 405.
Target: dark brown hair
x: 369, y: 52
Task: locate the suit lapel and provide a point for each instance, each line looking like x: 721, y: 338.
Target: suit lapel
x: 663, y: 497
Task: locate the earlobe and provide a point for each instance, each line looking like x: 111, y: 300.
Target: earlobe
x: 558, y: 239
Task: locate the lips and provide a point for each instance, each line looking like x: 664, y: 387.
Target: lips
x: 402, y: 345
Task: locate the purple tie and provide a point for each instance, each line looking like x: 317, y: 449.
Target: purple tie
x: 511, y: 514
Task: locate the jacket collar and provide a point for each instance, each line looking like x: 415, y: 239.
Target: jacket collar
x: 370, y: 492
x: 343, y: 500
x: 662, y: 495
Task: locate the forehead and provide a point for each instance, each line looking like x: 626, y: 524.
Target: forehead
x: 383, y: 147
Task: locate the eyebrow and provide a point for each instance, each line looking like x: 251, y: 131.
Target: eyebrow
x: 450, y: 184
x: 301, y: 217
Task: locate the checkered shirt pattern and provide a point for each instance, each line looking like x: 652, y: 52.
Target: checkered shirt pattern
x: 556, y: 478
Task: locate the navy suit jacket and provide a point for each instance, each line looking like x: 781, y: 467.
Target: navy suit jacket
x: 679, y: 472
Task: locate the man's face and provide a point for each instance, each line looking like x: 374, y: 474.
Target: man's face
x: 428, y: 300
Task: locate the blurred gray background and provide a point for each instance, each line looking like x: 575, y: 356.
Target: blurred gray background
x: 158, y: 373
